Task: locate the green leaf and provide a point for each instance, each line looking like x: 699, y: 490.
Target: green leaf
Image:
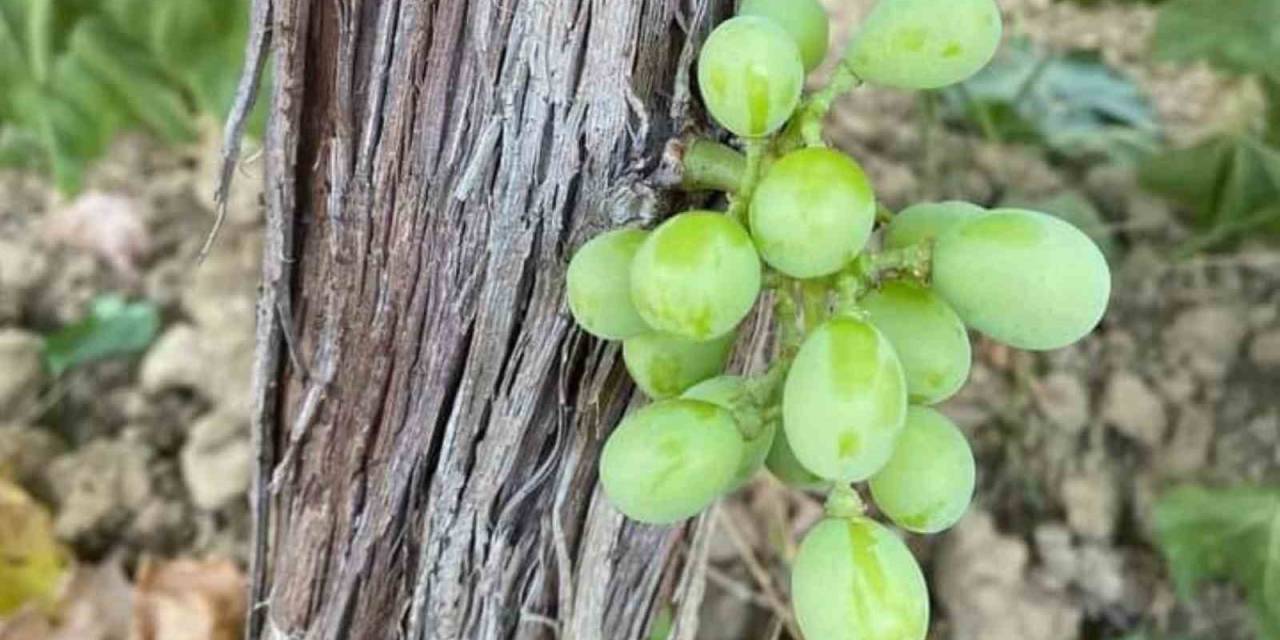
x: 1236, y: 36
x: 1225, y: 534
x: 113, y: 328
x: 1228, y: 181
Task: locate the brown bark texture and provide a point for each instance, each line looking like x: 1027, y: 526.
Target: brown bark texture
x: 428, y: 421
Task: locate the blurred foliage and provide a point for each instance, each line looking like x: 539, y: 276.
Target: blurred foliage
x: 112, y: 328
x: 77, y: 72
x: 32, y: 563
x: 1074, y: 104
x: 1235, y: 36
x: 1230, y: 534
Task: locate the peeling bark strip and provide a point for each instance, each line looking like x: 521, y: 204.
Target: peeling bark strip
x: 427, y: 465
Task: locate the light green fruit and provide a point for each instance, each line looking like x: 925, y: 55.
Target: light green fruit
x: 929, y: 338
x: 663, y: 365
x: 844, y: 400
x: 750, y: 74
x: 783, y: 465
x: 728, y: 392
x: 928, y: 484
x: 924, y: 44
x: 599, y: 285
x: 696, y: 276
x: 804, y: 20
x: 1024, y: 278
x: 812, y: 213
x: 926, y: 221
x: 853, y: 579
x: 670, y: 460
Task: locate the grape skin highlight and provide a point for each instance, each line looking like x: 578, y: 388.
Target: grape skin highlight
x: 927, y: 335
x: 812, y: 213
x: 924, y: 44
x: 804, y: 20
x: 724, y: 392
x: 599, y: 285
x: 663, y: 365
x: 696, y: 276
x: 844, y: 400
x: 926, y: 221
x: 853, y: 579
x: 670, y: 460
x: 750, y: 74
x: 1024, y: 278
x: 928, y: 484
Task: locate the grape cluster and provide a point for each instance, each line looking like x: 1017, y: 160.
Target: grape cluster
x: 871, y: 310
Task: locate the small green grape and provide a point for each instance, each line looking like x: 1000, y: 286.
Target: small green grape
x: 1024, y: 278
x: 926, y: 221
x: 750, y: 74
x: 670, y: 460
x: 696, y: 276
x: 664, y: 365
x: 927, y: 335
x: 804, y: 20
x: 928, y: 484
x: 812, y: 212
x: 844, y: 400
x: 727, y: 392
x: 599, y: 285
x: 853, y: 579
x: 783, y: 465
x: 924, y: 44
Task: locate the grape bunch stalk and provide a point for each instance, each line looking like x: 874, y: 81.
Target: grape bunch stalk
x: 871, y: 310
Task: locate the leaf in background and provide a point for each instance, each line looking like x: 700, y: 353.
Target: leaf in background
x: 112, y: 328
x: 32, y: 563
x: 1227, y: 181
x: 1224, y: 534
x: 1237, y: 36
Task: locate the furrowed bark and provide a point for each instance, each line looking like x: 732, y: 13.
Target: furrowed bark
x: 428, y: 420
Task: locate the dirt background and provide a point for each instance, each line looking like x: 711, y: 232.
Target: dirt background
x: 151, y: 456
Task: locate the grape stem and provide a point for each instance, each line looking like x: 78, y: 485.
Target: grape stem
x: 706, y: 165
x: 805, y: 128
x: 870, y: 269
x: 756, y: 149
x: 844, y: 502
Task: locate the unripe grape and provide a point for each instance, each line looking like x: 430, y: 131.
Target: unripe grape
x: 928, y: 484
x: 783, y: 465
x: 844, y: 400
x: 812, y: 212
x: 727, y: 392
x: 804, y: 20
x: 599, y: 285
x: 853, y: 579
x: 750, y: 74
x: 1024, y: 278
x: 663, y: 365
x: 670, y: 460
x: 696, y: 276
x: 929, y: 338
x: 924, y: 44
x: 926, y: 221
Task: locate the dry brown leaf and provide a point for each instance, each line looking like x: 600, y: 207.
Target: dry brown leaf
x: 94, y: 606
x: 188, y: 599
x: 33, y: 564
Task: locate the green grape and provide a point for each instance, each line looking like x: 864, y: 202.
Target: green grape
x: 812, y: 212
x: 924, y: 44
x: 783, y: 465
x: 696, y: 276
x: 750, y: 74
x: 926, y: 221
x: 844, y: 400
x: 1026, y: 279
x: 928, y: 483
x: 599, y: 285
x: 853, y: 579
x: 804, y: 20
x: 664, y: 365
x: 669, y: 460
x: 927, y: 335
x: 728, y: 392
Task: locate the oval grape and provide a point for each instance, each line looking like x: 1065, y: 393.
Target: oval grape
x: 844, y: 400
x: 929, y: 338
x: 804, y: 20
x: 727, y: 392
x: 924, y: 44
x: 812, y: 212
x: 853, y: 579
x: 599, y: 285
x: 663, y: 365
x: 670, y: 460
x: 782, y: 463
x: 750, y: 74
x: 1024, y: 278
x: 696, y: 276
x: 928, y: 484
x: 926, y: 221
